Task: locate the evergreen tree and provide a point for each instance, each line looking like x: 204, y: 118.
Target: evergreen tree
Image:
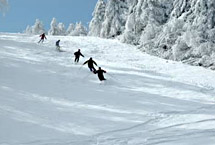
x: 98, y: 18
x: 173, y: 29
x: 28, y: 30
x: 130, y: 35
x: 115, y: 18
x: 70, y: 29
x: 61, y: 29
x: 80, y: 30
x: 36, y: 29
x: 54, y: 27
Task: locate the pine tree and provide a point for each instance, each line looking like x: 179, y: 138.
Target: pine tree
x: 54, y: 28
x: 36, y: 29
x: 28, y: 30
x: 80, y: 30
x: 61, y: 29
x: 115, y: 18
x: 182, y: 30
x: 70, y: 29
x: 130, y: 35
x: 98, y: 18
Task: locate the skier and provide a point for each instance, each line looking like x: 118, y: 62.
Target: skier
x: 77, y: 55
x: 43, y: 36
x: 58, y: 45
x: 90, y: 64
x: 100, y: 74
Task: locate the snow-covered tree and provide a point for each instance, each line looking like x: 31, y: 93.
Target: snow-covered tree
x: 115, y: 18
x: 143, y: 17
x: 37, y: 28
x: 130, y: 35
x: 61, y: 29
x: 80, y: 30
x: 95, y: 25
x: 70, y: 29
x: 28, y: 30
x: 54, y: 27
x: 182, y: 30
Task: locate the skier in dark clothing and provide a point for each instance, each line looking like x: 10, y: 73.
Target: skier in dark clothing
x: 90, y: 64
x: 100, y: 74
x: 58, y: 45
x: 43, y: 36
x: 77, y: 55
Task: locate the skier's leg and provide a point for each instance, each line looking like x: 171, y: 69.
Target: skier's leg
x: 101, y: 78
x: 94, y: 70
x: 75, y: 59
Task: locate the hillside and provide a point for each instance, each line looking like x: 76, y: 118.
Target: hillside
x: 180, y: 30
x: 46, y: 99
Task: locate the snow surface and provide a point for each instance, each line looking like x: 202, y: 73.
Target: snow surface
x: 46, y: 99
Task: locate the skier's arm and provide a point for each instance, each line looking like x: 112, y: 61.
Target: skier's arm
x: 95, y: 63
x: 104, y: 71
x: 85, y: 62
x: 81, y: 54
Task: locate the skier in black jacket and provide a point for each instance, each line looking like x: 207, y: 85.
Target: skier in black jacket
x: 77, y: 55
x: 100, y: 74
x: 58, y: 45
x: 90, y: 64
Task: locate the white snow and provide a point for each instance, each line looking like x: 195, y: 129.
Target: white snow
x: 46, y: 99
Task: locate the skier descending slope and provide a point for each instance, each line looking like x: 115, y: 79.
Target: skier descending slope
x: 100, y: 74
x: 90, y: 64
x: 58, y: 45
x: 43, y: 36
x: 77, y: 55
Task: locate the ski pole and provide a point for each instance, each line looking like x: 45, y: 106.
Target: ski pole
x: 86, y: 76
x: 80, y: 67
x: 112, y: 76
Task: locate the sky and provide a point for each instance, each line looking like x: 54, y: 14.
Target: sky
x: 24, y: 12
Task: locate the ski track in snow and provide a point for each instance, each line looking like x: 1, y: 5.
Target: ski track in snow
x: 46, y: 99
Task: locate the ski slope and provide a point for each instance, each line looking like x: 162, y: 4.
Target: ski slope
x: 46, y: 99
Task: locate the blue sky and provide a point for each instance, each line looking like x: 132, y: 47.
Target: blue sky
x: 24, y: 12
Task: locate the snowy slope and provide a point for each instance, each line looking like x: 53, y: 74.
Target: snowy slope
x: 46, y: 99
